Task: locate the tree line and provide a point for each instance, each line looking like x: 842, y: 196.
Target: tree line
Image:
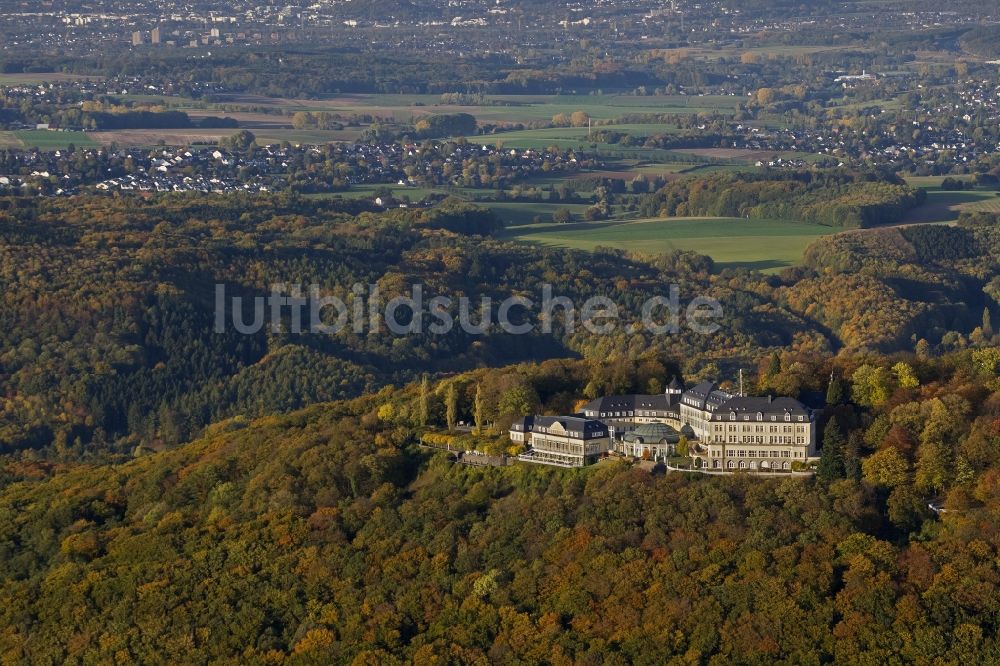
x: 831, y: 198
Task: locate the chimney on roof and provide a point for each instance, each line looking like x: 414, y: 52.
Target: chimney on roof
x: 769, y: 398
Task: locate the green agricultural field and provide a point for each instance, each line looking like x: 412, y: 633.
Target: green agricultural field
x: 46, y: 140
x: 174, y: 101
x: 946, y: 206
x: 539, y: 139
x: 627, y: 102
x: 578, y: 138
x: 10, y: 140
x: 369, y: 192
x: 266, y: 136
x: 502, y: 108
x: 639, y: 129
x: 519, y: 215
x: 601, y: 107
x: 180, y: 137
x: 34, y: 78
x: 990, y: 205
x: 932, y: 182
x: 659, y: 169
x: 581, y: 134
x: 767, y: 245
x: 893, y: 104
x: 763, y: 53
x: 741, y: 156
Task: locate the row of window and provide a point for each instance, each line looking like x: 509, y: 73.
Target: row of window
x: 743, y: 464
x: 641, y: 412
x: 781, y: 440
x: 718, y: 427
x: 556, y: 445
x: 732, y: 453
x: 760, y: 417
x: 574, y: 434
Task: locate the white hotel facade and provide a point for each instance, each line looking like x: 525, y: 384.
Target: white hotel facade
x: 747, y: 433
x: 726, y: 432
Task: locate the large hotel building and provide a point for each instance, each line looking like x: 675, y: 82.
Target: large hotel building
x: 725, y: 432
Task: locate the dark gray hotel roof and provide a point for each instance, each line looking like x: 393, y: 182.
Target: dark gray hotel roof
x: 523, y: 424
x: 613, y: 403
x: 590, y: 428
x: 762, y: 405
x: 706, y: 395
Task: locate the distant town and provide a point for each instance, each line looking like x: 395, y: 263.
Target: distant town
x: 212, y: 23
x: 308, y: 169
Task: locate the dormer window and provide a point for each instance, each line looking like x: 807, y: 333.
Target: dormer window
x: 732, y: 416
x: 788, y: 417
x: 760, y: 416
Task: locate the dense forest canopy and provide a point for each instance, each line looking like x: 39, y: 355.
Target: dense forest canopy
x: 984, y: 41
x: 327, y: 536
x: 118, y: 349
x: 834, y: 198
x: 221, y: 442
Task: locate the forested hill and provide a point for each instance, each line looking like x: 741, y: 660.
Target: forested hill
x: 983, y: 41
x: 108, y: 318
x: 325, y: 537
x: 917, y: 282
x: 108, y: 307
x: 835, y: 198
